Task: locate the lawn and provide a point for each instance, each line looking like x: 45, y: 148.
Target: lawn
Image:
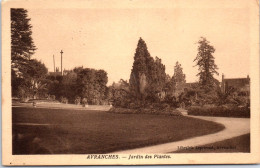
x: 64, y: 131
x: 237, y: 144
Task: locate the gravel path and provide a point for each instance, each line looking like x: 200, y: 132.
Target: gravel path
x: 63, y: 106
x: 233, y: 127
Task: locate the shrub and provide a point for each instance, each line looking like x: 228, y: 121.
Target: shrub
x: 171, y: 100
x: 220, y: 111
x: 52, y: 97
x: 84, y: 101
x: 77, y: 100
x: 64, y: 100
x: 104, y: 102
x: 159, y: 110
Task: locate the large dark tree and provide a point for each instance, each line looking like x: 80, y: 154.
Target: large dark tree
x: 22, y: 48
x: 148, y: 76
x: 22, y: 45
x: 139, y: 73
x: 206, y: 63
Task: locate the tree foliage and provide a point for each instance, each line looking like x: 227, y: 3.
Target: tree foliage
x: 148, y: 76
x: 178, y: 76
x: 120, y: 95
x: 32, y: 82
x: 81, y: 83
x: 37, y: 72
x: 22, y: 45
x: 138, y: 78
x: 158, y: 76
x: 206, y: 63
x: 28, y: 75
x: 91, y: 84
x: 169, y: 86
x: 68, y: 86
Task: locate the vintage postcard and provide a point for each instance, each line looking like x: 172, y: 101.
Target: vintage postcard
x: 130, y: 82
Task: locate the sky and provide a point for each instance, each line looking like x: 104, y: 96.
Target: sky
x: 107, y: 38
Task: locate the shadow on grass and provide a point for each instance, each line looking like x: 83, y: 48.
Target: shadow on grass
x: 236, y: 144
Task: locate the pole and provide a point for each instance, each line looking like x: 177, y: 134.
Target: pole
x: 53, y: 64
x: 61, y: 52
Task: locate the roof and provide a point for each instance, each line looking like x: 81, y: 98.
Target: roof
x: 244, y: 80
x: 237, y: 82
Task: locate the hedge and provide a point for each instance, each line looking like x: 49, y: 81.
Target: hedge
x: 220, y: 111
x: 171, y: 112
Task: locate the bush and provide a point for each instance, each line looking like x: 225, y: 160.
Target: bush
x: 77, y: 100
x: 148, y: 110
x: 52, y: 97
x: 171, y: 100
x: 84, y: 102
x: 220, y: 111
x: 64, y: 100
x: 104, y: 102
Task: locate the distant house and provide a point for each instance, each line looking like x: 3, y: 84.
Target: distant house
x: 240, y: 85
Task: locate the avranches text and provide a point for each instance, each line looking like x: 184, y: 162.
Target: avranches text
x: 130, y: 157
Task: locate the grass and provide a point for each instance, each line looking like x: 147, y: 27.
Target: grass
x: 64, y: 131
x: 237, y: 144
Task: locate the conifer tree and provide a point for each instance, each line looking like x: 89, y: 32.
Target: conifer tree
x: 22, y: 45
x: 139, y: 73
x: 206, y: 63
x: 22, y: 48
x: 178, y: 76
x: 148, y: 76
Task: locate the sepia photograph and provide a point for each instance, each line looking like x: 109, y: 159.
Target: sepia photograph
x: 130, y: 82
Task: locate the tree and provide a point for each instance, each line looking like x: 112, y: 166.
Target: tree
x: 36, y: 75
x: 178, y: 76
x: 169, y: 85
x: 157, y: 80
x: 91, y: 84
x: 148, y: 76
x: 81, y: 84
x: 68, y: 86
x: 120, y: 94
x: 206, y: 63
x: 139, y: 73
x: 22, y: 45
x: 33, y: 81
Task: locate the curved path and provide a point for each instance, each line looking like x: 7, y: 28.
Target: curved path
x: 233, y: 127
x: 52, y: 105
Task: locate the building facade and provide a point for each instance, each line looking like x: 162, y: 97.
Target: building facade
x: 239, y: 85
